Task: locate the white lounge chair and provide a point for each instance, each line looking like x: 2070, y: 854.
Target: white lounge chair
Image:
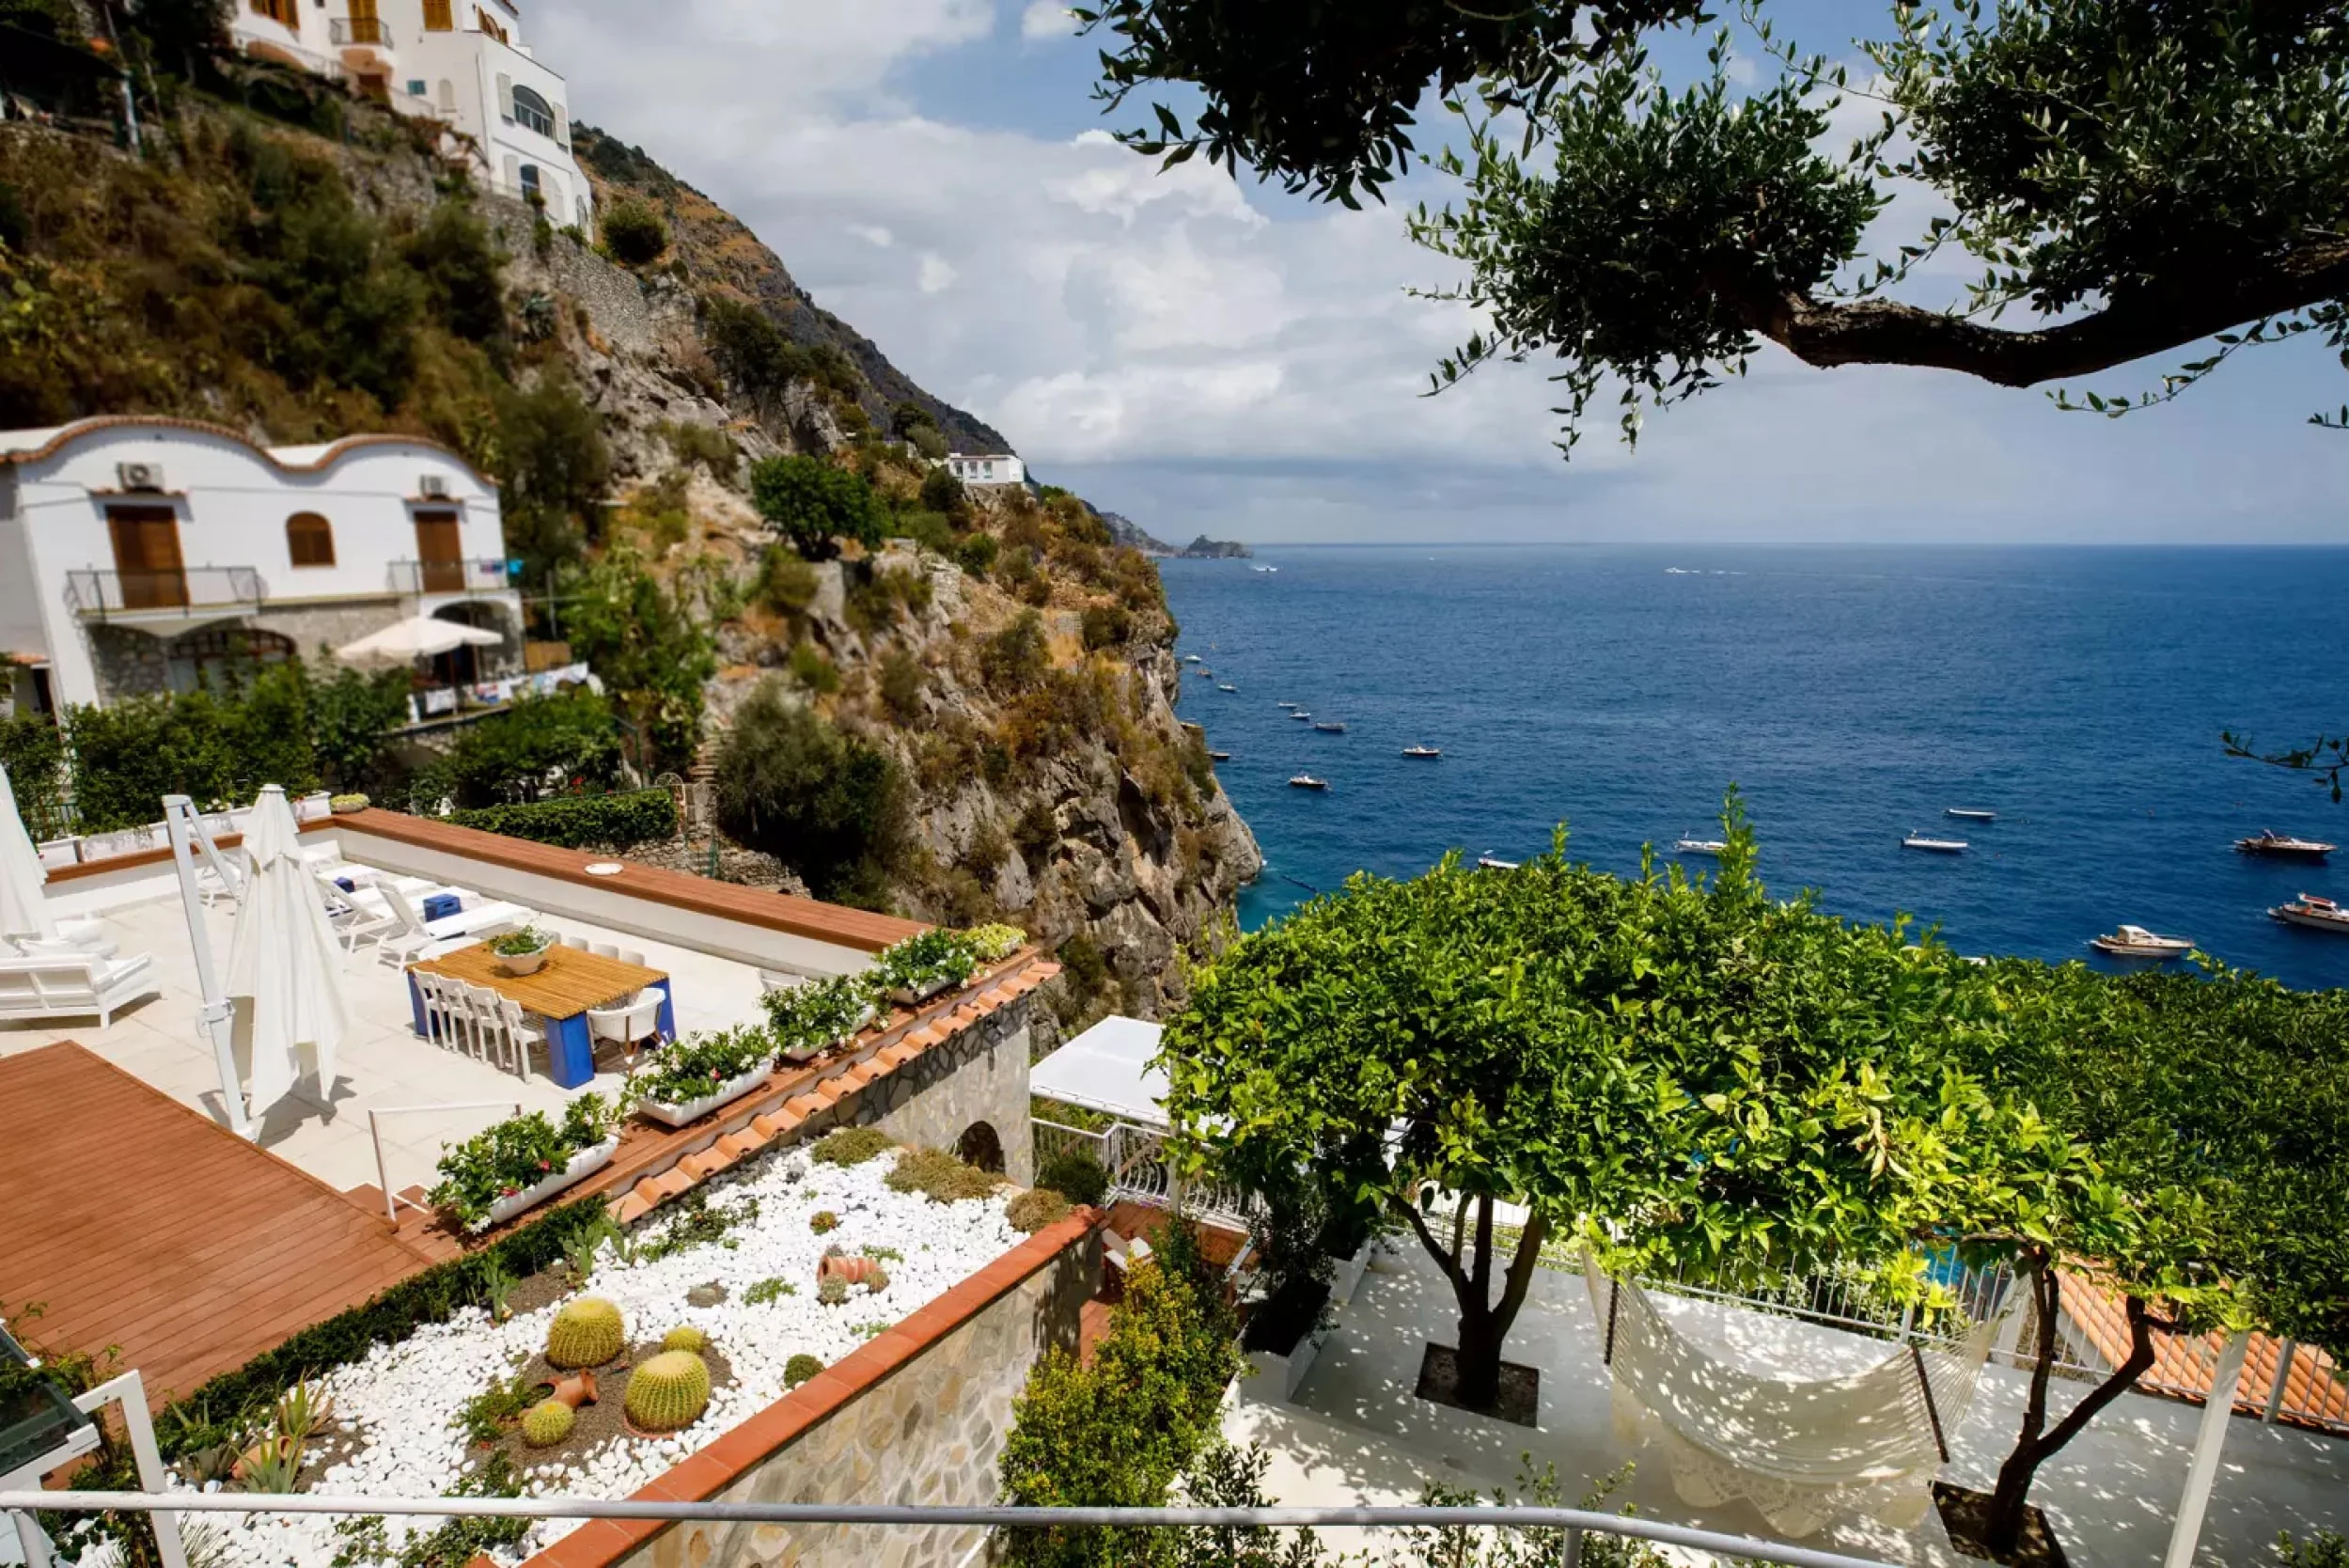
x: 629, y: 1023
x: 408, y: 938
x: 80, y: 987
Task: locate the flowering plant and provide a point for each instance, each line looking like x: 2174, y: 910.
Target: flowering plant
x: 516, y: 1154
x: 989, y: 943
x: 807, y: 1018
x: 702, y: 1065
x: 936, y: 959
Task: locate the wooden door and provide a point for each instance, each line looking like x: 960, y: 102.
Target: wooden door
x: 440, y: 548
x: 147, y: 556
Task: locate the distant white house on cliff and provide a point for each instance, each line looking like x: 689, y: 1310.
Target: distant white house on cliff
x: 143, y: 555
x: 987, y: 468
x: 461, y: 62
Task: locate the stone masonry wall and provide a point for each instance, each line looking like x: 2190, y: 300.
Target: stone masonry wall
x: 979, y: 1076
x: 919, y: 1416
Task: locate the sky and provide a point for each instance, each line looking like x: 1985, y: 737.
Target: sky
x: 1208, y: 356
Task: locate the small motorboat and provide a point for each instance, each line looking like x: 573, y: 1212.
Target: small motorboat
x: 1300, y: 715
x: 1219, y: 755
x: 2283, y: 844
x: 1971, y: 814
x: 1284, y: 705
x: 1917, y: 840
x: 1422, y: 751
x: 2137, y: 941
x: 2314, y: 912
x: 1699, y: 846
x: 1190, y: 658
x: 1225, y: 686
x: 1330, y: 727
x: 1307, y: 781
x: 1204, y: 673
x: 1266, y: 569
x: 1488, y: 861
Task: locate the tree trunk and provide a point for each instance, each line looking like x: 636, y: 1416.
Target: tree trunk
x: 2002, y: 1531
x: 1484, y: 1323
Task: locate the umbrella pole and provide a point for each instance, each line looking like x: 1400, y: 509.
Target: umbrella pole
x: 213, y: 1017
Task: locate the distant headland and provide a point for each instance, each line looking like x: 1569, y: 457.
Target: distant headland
x: 1125, y: 531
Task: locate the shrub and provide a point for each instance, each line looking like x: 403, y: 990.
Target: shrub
x: 651, y: 650
x: 787, y: 584
x: 936, y: 959
x: 812, y: 669
x: 204, y: 745
x: 1015, y: 658
x: 1036, y: 1208
x: 350, y: 718
x: 902, y: 682
x: 1106, y: 625
x: 706, y: 444
x: 811, y: 504
x: 538, y: 747
x: 827, y: 804
x: 927, y: 440
x: 847, y: 1146
x: 975, y: 553
x: 939, y: 1176
x: 33, y: 750
x: 581, y: 821
x: 633, y: 232
x: 1077, y: 1173
x: 942, y: 492
x: 452, y: 253
x: 552, y: 468
x: 751, y: 349
x: 799, y: 1369
x: 765, y: 1291
x: 823, y: 1222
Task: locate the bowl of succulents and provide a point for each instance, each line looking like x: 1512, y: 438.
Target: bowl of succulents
x: 809, y: 1020
x: 687, y: 1080
x: 520, y: 952
x: 921, y: 966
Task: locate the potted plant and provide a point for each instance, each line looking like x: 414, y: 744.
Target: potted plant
x: 522, y: 951
x: 692, y: 1077
x: 994, y: 943
x: 809, y: 1020
x: 920, y: 967
x: 524, y: 1160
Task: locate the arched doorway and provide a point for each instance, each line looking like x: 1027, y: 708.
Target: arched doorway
x: 980, y: 1146
x: 463, y: 666
x: 223, y: 658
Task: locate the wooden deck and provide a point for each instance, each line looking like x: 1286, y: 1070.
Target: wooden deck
x: 144, y: 1224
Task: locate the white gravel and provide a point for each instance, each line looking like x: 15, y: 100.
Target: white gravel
x: 400, y: 1398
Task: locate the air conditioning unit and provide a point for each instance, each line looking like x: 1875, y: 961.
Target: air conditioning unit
x: 139, y: 475
x: 433, y: 487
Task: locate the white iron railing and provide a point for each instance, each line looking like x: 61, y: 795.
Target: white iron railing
x: 1135, y: 1160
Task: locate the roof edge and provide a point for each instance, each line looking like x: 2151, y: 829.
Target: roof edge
x: 334, y: 453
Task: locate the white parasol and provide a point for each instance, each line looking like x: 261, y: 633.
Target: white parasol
x: 23, y: 909
x: 285, y: 958
x: 418, y: 637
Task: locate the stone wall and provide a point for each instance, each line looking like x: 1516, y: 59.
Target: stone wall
x: 979, y: 1076
x: 917, y: 1416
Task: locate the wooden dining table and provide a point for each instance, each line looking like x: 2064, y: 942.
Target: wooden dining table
x: 560, y: 992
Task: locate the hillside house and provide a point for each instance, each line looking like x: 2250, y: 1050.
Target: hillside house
x: 987, y: 468
x: 142, y: 554
x: 461, y: 62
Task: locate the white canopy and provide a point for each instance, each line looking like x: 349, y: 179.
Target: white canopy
x: 24, y: 910
x: 285, y: 958
x: 418, y: 637
x: 1107, y: 1069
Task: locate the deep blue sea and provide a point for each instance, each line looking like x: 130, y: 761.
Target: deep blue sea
x: 1851, y: 693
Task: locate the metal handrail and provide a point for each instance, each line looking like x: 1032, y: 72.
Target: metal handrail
x: 383, y: 1174
x: 90, y: 590
x: 1576, y: 1522
x: 458, y: 577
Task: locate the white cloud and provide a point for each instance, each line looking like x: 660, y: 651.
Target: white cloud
x: 937, y: 276
x: 1046, y: 18
x: 872, y: 234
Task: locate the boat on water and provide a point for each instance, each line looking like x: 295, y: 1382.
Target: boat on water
x: 1422, y: 751
x: 2137, y: 941
x: 1699, y: 846
x: 1971, y: 814
x: 1307, y: 781
x: 1300, y: 715
x: 2314, y: 912
x: 1330, y: 727
x: 1191, y: 658
x: 1488, y: 861
x: 1284, y: 705
x: 1225, y: 686
x: 2271, y: 842
x: 1917, y: 840
x: 1219, y: 755
x: 1266, y: 569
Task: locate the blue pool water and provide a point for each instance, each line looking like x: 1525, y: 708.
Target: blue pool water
x: 1851, y: 693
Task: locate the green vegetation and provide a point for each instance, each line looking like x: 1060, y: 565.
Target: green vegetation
x: 1076, y: 1174
x: 514, y: 1155
x: 364, y: 1542
x: 701, y: 1064
x: 813, y: 504
x: 552, y: 469
x: 547, y: 1423
x: 939, y: 1176
x: 850, y: 1146
x: 582, y: 821
x: 812, y: 669
x: 668, y: 1390
x: 751, y: 350
x: 787, y: 584
x: 1119, y: 1432
x: 802, y: 1367
x: 699, y: 1222
x: 828, y: 804
x: 633, y: 232
x: 33, y: 751
x: 1036, y: 1208
x: 650, y: 646
x: 1015, y: 658
x: 807, y: 1018
x: 485, y: 1418
x: 769, y: 1289
x: 537, y: 748
x: 210, y: 746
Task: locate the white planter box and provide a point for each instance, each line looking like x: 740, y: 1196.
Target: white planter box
x: 586, y: 1162
x: 673, y: 1115
x: 1278, y: 1376
x: 915, y: 996
x: 846, y: 1035
x: 1346, y: 1277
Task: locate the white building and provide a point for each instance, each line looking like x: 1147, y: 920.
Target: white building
x: 461, y: 62
x: 141, y: 555
x: 987, y: 468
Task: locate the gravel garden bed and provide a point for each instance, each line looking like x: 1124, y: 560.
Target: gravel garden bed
x: 738, y: 1262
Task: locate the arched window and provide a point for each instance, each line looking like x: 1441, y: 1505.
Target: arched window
x: 533, y: 111
x: 309, y: 540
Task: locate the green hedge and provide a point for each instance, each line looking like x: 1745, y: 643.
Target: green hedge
x: 581, y: 821
x: 207, y: 1415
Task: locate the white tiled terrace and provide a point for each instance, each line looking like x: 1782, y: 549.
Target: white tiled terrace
x: 380, y: 1064
x: 1356, y: 1433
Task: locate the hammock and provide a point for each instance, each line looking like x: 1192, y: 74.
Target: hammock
x: 1800, y: 1450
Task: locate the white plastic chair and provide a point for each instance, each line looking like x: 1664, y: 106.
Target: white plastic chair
x: 518, y: 1034
x: 629, y: 1022
x: 578, y: 942
x: 488, y: 1023
x: 629, y: 956
x: 603, y: 949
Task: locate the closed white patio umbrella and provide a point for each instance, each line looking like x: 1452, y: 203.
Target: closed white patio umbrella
x: 23, y: 909
x: 284, y: 957
x: 419, y: 636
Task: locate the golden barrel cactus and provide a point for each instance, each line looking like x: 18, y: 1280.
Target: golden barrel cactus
x: 547, y: 1423
x: 668, y: 1390
x: 587, y: 1332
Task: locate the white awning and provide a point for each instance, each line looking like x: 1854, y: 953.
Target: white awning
x: 1106, y: 1069
x: 417, y: 638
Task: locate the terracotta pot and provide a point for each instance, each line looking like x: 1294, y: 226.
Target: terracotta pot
x: 853, y: 1271
x: 576, y: 1390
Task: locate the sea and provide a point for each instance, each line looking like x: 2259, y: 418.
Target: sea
x: 1851, y: 694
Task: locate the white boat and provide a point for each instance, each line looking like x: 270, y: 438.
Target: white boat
x: 1698, y: 846
x: 1330, y: 727
x: 1190, y: 658
x: 1488, y: 861
x: 1225, y: 686
x: 1307, y: 781
x: 1219, y: 755
x: 1917, y: 840
x: 1970, y: 814
x: 2314, y: 912
x: 1300, y: 715
x: 1266, y: 569
x: 1284, y: 704
x: 2137, y: 941
x: 1422, y: 751
x: 2283, y: 844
